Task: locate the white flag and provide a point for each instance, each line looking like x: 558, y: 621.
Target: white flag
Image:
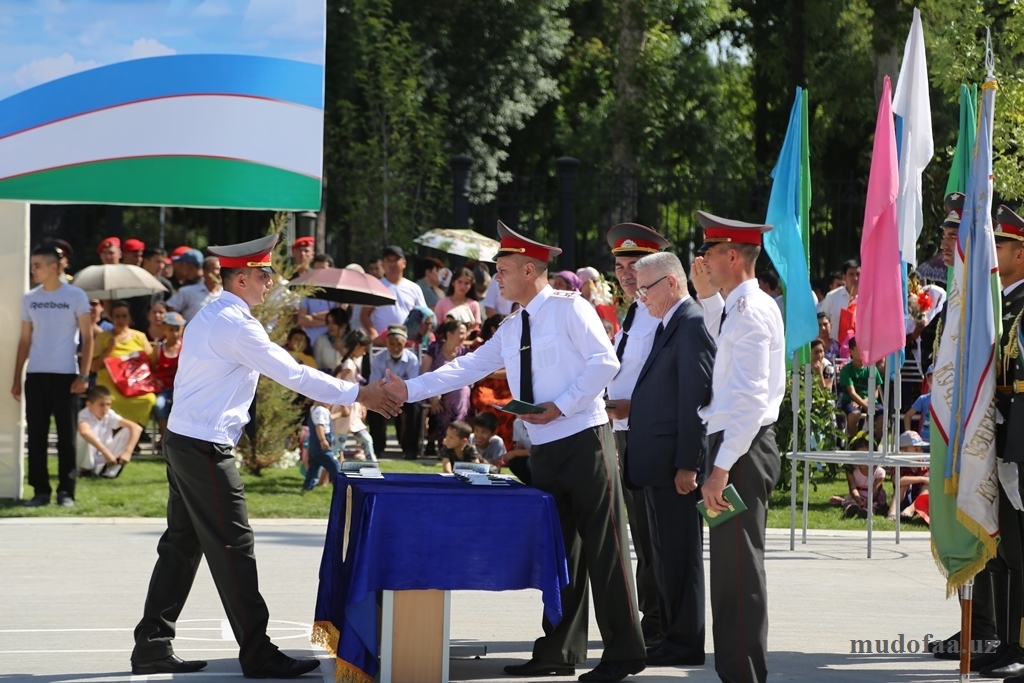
x: 916, y: 148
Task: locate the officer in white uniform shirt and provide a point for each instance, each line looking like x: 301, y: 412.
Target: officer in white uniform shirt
x: 629, y: 243
x: 748, y: 384
x: 558, y: 356
x: 224, y: 352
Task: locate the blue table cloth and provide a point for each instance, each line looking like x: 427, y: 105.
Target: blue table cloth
x: 425, y: 531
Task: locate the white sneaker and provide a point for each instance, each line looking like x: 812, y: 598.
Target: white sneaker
x: 111, y: 471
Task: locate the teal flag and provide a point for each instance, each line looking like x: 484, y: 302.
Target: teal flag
x: 788, y: 209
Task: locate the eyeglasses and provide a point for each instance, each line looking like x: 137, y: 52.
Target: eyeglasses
x: 641, y: 292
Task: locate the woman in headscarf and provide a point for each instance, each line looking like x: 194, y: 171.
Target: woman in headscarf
x: 420, y: 324
x: 566, y: 280
x: 594, y: 289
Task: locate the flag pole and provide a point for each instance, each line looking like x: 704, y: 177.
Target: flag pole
x: 872, y: 390
x: 795, y: 397
x: 966, y: 606
x: 807, y: 441
x: 967, y: 593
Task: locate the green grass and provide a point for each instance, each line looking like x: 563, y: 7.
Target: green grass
x: 142, y: 492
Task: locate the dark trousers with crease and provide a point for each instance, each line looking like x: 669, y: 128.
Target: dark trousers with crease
x: 206, y: 515
x: 579, y: 471
x: 739, y: 591
x: 49, y: 394
x: 640, y: 530
x: 677, y: 535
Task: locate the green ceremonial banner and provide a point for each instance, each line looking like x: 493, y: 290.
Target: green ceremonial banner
x: 965, y: 140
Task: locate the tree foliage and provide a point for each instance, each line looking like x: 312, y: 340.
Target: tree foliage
x: 683, y: 89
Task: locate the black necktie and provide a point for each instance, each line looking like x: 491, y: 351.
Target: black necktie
x: 657, y: 332
x: 721, y: 323
x: 525, y: 362
x: 626, y: 324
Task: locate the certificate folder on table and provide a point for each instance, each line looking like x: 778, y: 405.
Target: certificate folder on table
x: 736, y: 506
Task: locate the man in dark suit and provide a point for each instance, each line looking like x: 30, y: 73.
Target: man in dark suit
x: 667, y: 451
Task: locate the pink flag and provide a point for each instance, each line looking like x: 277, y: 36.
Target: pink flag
x: 880, y: 325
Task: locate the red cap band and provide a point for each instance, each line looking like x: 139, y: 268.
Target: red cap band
x: 731, y: 235
x: 251, y: 261
x: 634, y: 244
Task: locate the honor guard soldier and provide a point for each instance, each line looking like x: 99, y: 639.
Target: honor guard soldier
x: 558, y: 356
x: 949, y: 229
x: 629, y: 243
x: 224, y: 352
x: 1006, y: 568
x: 748, y: 384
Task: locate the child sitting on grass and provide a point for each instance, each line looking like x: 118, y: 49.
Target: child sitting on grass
x: 488, y: 444
x: 321, y: 447
x: 456, y: 446
x: 111, y: 438
x: 855, y: 504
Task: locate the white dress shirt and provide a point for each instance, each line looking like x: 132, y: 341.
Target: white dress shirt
x: 572, y: 362
x: 638, y: 347
x: 749, y: 379
x: 223, y: 353
x: 191, y: 298
x: 408, y: 296
x: 833, y: 303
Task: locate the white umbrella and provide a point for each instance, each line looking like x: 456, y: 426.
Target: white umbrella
x: 116, y: 281
x: 466, y: 243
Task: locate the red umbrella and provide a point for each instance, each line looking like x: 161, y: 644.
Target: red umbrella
x: 345, y: 287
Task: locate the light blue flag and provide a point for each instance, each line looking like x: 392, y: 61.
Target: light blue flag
x: 784, y: 243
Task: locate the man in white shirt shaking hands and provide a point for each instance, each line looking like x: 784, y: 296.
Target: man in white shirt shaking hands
x: 224, y: 352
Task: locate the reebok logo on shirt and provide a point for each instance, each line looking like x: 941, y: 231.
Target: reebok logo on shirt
x: 50, y: 304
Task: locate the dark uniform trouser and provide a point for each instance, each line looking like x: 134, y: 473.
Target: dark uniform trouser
x: 1007, y: 567
x: 48, y: 394
x: 739, y: 593
x: 640, y: 530
x: 580, y: 472
x: 206, y: 515
x: 677, y: 534
x: 407, y: 429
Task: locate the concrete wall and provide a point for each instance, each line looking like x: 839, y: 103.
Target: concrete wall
x: 14, y: 248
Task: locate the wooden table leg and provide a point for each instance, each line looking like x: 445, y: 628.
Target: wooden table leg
x: 414, y: 636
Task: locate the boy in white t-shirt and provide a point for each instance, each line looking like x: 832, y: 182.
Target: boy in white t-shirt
x: 321, y: 447
x: 111, y: 438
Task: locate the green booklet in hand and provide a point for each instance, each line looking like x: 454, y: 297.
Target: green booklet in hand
x: 736, y: 506
x: 520, y: 408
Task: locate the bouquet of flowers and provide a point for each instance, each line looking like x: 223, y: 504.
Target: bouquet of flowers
x: 919, y: 301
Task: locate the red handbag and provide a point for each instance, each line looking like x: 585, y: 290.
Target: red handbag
x: 131, y: 374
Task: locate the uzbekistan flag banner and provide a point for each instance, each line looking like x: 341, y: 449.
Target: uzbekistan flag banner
x: 963, y: 486
x: 172, y: 104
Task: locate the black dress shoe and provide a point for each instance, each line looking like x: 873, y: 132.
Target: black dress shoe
x: 167, y: 665
x: 537, y: 667
x: 283, y: 666
x: 1010, y: 664
x: 37, y: 501
x: 663, y: 656
x: 613, y: 672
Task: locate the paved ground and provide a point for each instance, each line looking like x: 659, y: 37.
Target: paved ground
x: 72, y: 592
